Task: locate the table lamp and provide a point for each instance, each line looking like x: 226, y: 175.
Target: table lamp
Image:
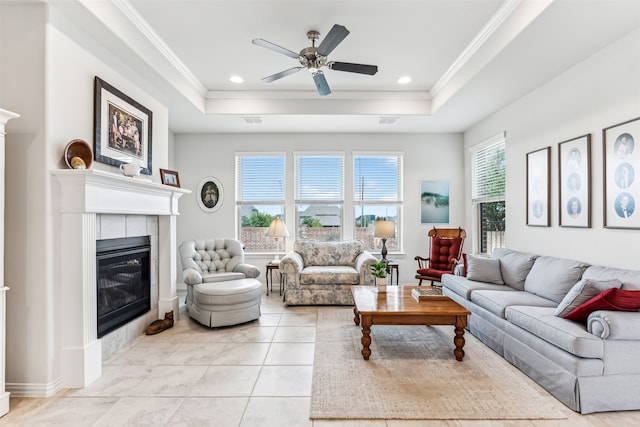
x: 277, y: 229
x: 386, y: 230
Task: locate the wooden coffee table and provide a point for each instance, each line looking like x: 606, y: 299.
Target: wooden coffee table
x: 398, y: 307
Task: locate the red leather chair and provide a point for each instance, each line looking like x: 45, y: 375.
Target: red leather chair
x: 445, y: 252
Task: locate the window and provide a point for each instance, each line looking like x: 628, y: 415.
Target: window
x: 488, y: 193
x: 377, y: 195
x: 260, y: 184
x: 319, y: 196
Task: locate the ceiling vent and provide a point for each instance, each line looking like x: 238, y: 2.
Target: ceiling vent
x: 387, y: 120
x: 252, y: 120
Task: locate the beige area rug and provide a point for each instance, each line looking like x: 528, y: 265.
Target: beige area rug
x: 413, y: 374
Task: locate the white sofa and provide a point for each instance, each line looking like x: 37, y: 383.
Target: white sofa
x: 323, y: 272
x: 590, y: 366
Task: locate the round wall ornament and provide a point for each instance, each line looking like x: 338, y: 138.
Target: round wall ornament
x: 209, y: 194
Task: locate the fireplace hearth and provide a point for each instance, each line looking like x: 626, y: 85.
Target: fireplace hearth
x: 123, y: 281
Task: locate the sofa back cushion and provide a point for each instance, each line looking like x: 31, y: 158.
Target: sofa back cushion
x: 211, y: 255
x: 514, y: 266
x: 552, y: 277
x: 328, y: 253
x: 630, y: 278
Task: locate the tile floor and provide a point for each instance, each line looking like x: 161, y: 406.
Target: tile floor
x: 256, y: 374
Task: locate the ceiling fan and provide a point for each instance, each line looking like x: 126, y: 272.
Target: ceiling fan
x: 314, y: 58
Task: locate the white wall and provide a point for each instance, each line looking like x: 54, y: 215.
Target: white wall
x: 599, y: 92
x: 426, y: 157
x: 48, y: 79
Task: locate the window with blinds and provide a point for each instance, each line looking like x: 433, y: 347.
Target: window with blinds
x: 488, y: 192
x: 377, y: 193
x: 319, y: 196
x: 260, y: 197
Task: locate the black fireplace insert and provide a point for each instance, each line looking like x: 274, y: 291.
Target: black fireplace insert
x: 123, y: 270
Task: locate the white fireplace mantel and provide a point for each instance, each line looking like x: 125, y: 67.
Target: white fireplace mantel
x: 83, y: 195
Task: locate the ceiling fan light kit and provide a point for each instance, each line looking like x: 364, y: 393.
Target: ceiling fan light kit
x: 314, y: 58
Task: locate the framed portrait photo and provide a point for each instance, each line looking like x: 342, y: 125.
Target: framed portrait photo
x: 538, y: 187
x: 122, y: 128
x: 209, y: 194
x: 621, y: 163
x: 574, y: 182
x: 169, y: 177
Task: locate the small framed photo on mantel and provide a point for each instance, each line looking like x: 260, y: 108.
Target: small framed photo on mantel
x: 170, y: 177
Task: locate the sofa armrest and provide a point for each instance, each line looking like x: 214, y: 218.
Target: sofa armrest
x: 191, y: 276
x: 363, y: 267
x: 614, y: 325
x: 291, y: 265
x: 250, y: 271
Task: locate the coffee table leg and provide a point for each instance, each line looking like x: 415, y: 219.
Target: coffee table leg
x: 366, y: 336
x: 458, y: 340
x: 356, y: 318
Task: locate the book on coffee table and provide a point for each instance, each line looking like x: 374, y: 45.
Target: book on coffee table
x: 422, y: 294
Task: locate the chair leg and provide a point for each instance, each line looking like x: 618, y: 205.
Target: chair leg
x: 420, y: 282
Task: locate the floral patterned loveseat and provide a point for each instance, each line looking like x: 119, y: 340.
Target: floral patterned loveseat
x: 323, y: 272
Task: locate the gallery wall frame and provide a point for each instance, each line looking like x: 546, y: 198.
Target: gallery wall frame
x: 210, y: 194
x: 122, y: 128
x: 574, y: 182
x: 621, y: 185
x: 538, y: 187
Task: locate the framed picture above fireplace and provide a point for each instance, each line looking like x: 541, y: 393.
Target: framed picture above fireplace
x: 122, y: 128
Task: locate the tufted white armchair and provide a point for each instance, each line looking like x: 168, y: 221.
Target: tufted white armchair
x: 221, y: 289
x: 214, y: 260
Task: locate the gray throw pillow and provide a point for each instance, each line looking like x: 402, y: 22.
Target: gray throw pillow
x: 514, y: 266
x: 582, y: 292
x: 483, y: 269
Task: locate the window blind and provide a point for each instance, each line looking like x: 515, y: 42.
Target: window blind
x: 260, y: 178
x: 377, y: 178
x: 319, y: 178
x: 488, y: 162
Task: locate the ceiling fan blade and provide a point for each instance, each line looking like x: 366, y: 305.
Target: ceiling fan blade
x: 281, y: 74
x: 332, y: 39
x: 275, y: 48
x: 321, y: 83
x: 353, y: 68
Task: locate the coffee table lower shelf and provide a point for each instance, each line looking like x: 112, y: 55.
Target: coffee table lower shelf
x: 398, y: 307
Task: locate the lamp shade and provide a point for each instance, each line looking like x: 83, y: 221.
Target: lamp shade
x: 385, y: 229
x: 277, y: 229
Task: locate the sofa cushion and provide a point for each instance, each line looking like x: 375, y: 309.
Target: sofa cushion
x: 569, y: 336
x: 552, y: 277
x: 611, y: 299
x: 328, y: 253
x: 463, y: 286
x: 497, y: 301
x: 329, y: 275
x: 630, y: 278
x: 221, y: 277
x: 483, y: 269
x: 582, y: 292
x: 514, y: 266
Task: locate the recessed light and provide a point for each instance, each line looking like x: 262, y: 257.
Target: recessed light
x: 404, y: 80
x: 236, y: 79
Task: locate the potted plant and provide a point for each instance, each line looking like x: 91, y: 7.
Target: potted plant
x: 380, y: 270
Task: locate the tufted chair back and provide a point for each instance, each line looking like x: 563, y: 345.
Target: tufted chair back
x: 211, y: 255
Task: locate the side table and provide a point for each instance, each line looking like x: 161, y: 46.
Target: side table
x: 269, y: 276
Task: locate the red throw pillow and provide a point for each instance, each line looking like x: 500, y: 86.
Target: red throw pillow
x: 611, y: 299
x: 464, y: 264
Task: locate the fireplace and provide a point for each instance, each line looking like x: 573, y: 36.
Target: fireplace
x: 123, y: 281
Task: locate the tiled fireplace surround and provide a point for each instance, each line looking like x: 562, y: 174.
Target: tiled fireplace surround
x: 98, y: 205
